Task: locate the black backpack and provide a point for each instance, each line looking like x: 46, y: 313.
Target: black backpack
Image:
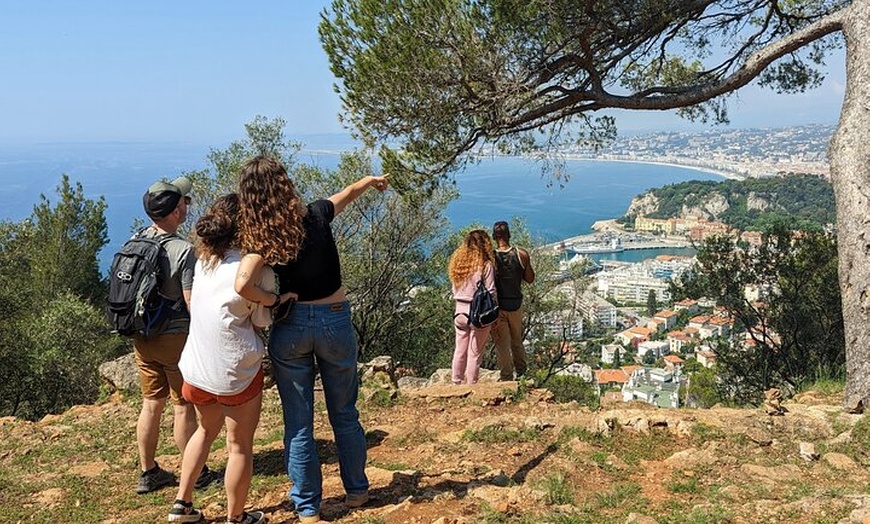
x: 483, y: 309
x: 135, y: 305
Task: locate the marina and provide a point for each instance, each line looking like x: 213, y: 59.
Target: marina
x: 616, y: 242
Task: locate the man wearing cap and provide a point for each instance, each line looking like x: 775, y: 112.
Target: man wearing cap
x: 513, y: 267
x: 157, y: 356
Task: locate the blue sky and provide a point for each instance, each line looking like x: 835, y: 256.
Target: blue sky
x: 196, y: 71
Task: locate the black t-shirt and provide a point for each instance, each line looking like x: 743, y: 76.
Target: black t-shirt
x: 316, y: 272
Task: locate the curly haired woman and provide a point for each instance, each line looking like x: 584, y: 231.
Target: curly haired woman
x: 278, y: 229
x: 222, y: 365
x: 472, y: 262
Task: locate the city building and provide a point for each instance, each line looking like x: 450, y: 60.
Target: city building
x: 706, y: 357
x: 609, y: 352
x: 687, y: 304
x: 656, y: 386
x: 659, y: 348
x: 597, y: 310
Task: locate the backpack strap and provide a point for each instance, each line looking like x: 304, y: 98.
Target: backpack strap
x: 162, y: 239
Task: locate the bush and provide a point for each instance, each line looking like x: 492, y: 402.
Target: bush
x: 566, y: 388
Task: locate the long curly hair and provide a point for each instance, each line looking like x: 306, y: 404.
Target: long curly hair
x: 471, y: 256
x: 217, y: 230
x: 271, y: 211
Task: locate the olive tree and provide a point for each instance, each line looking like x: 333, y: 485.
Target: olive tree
x: 438, y: 79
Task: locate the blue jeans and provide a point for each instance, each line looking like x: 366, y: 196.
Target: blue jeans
x: 321, y: 333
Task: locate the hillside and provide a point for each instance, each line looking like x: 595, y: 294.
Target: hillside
x: 484, y: 454
x: 803, y: 200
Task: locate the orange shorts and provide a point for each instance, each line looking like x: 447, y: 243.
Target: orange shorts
x: 198, y: 397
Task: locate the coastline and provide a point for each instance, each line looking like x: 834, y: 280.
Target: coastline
x: 651, y: 161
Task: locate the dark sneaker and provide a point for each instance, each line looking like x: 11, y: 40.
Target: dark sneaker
x: 208, y: 477
x: 254, y: 517
x: 355, y: 500
x: 154, y: 479
x: 184, y: 512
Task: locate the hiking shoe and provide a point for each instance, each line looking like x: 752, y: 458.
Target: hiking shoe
x: 208, y: 477
x: 154, y: 479
x: 184, y: 512
x: 355, y: 500
x: 254, y: 517
x: 309, y: 519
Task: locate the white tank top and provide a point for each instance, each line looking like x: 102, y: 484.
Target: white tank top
x: 223, y: 352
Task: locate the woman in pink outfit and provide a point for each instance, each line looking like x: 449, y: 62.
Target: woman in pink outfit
x: 471, y: 262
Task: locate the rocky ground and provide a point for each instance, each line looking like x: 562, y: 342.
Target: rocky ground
x: 490, y: 453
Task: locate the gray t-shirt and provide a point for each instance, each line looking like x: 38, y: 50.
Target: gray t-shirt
x: 178, y: 265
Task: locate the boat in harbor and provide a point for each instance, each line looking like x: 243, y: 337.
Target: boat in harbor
x: 566, y: 263
x: 592, y: 248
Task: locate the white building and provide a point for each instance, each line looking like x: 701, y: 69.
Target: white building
x: 659, y: 348
x: 655, y: 386
x: 633, y: 282
x: 576, y: 369
x: 597, y: 310
x: 609, y: 351
x: 566, y: 324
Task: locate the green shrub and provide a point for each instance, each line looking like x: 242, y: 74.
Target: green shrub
x: 566, y: 388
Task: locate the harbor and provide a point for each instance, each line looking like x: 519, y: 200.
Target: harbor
x: 609, y: 237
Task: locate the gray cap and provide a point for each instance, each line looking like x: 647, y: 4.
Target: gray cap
x: 162, y: 197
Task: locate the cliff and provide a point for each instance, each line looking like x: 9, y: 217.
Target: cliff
x: 804, y: 200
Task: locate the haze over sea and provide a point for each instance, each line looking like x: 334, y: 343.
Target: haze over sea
x: 495, y: 189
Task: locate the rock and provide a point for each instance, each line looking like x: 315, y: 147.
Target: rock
x: 488, y: 375
x: 645, y: 204
x: 760, y: 436
x: 536, y: 423
x: 755, y: 201
x: 641, y: 425
x: 861, y: 515
x: 412, y: 383
x: 441, y: 377
x: 808, y: 451
x: 121, y: 373
x: 843, y: 438
x: 853, y: 404
x: 691, y: 458
x: 772, y: 475
x: 381, y: 364
x: 839, y: 461
x: 637, y: 518
x: 499, y: 478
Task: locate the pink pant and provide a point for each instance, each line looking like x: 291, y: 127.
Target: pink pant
x: 468, y: 354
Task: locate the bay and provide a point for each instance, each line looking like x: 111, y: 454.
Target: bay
x: 497, y: 188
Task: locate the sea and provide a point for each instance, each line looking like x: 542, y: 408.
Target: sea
x: 494, y: 188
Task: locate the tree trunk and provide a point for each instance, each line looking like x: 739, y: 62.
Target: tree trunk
x: 850, y: 174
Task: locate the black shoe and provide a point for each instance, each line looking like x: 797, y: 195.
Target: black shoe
x: 184, y: 512
x: 208, y: 477
x: 154, y: 479
x: 254, y: 517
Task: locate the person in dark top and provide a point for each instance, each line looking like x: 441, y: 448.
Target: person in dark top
x: 513, y: 267
x: 277, y: 229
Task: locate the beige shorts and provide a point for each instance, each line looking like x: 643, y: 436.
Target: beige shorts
x: 157, y: 359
